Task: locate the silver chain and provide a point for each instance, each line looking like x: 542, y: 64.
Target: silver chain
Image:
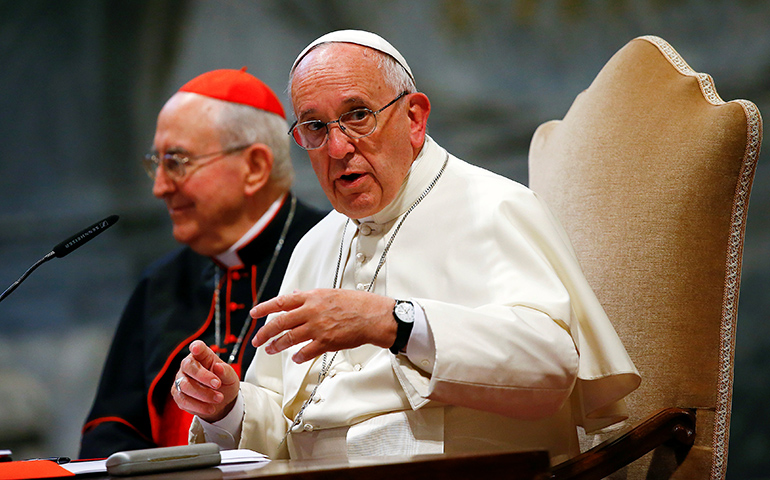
x: 260, y: 291
x: 325, y: 367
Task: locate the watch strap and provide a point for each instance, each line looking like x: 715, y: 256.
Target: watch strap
x: 403, y: 329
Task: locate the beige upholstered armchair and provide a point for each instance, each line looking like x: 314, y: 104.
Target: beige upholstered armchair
x: 650, y: 173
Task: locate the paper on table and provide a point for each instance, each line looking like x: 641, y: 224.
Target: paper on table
x: 82, y: 467
x: 242, y: 455
x: 236, y: 460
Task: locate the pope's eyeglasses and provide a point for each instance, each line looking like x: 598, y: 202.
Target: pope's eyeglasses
x: 357, y: 123
x: 177, y: 165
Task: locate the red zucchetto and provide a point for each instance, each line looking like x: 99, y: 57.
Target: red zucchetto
x: 235, y: 86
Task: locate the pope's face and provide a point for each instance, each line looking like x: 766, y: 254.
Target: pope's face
x: 207, y: 205
x: 359, y: 176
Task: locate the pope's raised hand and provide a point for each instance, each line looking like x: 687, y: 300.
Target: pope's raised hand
x: 328, y: 319
x: 205, y: 385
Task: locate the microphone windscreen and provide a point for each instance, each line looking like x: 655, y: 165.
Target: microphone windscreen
x: 75, y: 241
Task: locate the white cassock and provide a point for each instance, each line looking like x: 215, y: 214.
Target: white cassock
x: 523, y: 350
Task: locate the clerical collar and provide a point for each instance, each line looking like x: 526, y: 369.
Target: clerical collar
x: 421, y: 172
x: 230, y: 257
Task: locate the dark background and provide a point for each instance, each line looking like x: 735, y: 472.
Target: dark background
x: 81, y: 83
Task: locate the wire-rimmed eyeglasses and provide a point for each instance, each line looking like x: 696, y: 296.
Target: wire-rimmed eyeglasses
x: 357, y: 123
x: 176, y: 165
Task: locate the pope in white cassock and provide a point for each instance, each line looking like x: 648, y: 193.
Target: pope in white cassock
x: 439, y: 308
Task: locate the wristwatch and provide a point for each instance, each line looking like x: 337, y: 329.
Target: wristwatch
x: 403, y: 312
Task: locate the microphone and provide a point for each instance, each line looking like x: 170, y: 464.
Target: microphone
x: 66, y: 247
x: 75, y: 241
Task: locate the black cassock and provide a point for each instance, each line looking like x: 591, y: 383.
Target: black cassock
x: 172, y: 306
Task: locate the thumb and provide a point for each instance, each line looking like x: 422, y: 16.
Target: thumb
x: 226, y: 373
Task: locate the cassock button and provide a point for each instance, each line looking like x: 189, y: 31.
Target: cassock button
x: 360, y: 257
x: 425, y: 363
x: 236, y: 276
x: 317, y: 399
x: 365, y: 229
x: 362, y: 286
x: 357, y: 367
x: 308, y: 428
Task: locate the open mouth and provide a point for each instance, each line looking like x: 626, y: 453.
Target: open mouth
x: 352, y: 177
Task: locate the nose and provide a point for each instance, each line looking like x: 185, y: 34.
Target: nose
x: 162, y: 185
x: 338, y: 144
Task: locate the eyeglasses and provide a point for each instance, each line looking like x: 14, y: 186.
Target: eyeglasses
x: 177, y: 165
x: 357, y: 123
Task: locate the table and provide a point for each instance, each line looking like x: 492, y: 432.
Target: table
x: 531, y: 465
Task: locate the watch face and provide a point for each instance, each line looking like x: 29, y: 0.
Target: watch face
x: 405, y: 311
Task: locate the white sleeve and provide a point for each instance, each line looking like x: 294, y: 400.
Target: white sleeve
x: 421, y: 348
x: 226, y: 432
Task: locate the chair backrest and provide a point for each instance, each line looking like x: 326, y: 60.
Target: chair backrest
x: 650, y: 173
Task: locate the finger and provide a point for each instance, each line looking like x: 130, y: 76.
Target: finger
x: 281, y: 303
x: 195, y: 370
x: 289, y: 338
x: 312, y: 350
x: 277, y: 325
x: 308, y: 352
x: 191, y: 388
x: 190, y: 403
x: 226, y: 374
x: 194, y: 397
x: 203, y: 354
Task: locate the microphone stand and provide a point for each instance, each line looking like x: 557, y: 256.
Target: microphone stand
x: 31, y: 269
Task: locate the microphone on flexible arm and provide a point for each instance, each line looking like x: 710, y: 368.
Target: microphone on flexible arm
x: 65, y: 248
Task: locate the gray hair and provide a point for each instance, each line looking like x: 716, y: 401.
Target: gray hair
x: 394, y: 75
x: 240, y: 124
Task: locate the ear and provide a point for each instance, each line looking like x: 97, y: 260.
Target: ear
x: 259, y: 162
x: 419, y: 110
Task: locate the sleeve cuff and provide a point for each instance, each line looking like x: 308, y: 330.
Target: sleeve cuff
x: 226, y: 432
x: 421, y: 348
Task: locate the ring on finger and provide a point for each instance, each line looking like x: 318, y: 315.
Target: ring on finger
x: 176, y: 383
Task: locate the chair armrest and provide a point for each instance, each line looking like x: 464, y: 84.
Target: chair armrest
x: 673, y: 426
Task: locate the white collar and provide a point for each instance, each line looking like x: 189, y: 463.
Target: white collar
x: 230, y: 258
x: 420, y: 174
